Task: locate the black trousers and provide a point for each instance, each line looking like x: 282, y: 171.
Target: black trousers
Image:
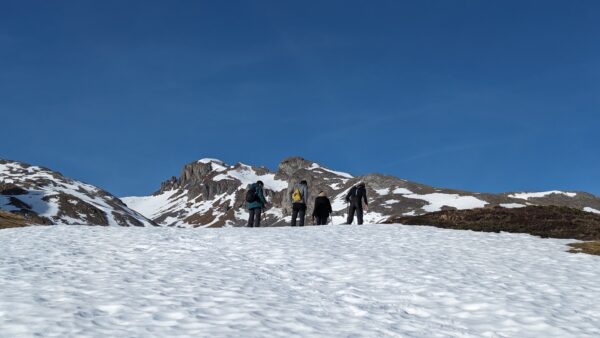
x: 298, y: 210
x: 359, y: 213
x: 321, y: 220
x: 254, y: 218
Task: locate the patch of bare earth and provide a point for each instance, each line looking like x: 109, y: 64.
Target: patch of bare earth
x: 543, y: 221
x: 10, y: 220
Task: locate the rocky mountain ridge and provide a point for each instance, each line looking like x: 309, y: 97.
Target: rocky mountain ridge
x: 211, y: 193
x: 41, y: 196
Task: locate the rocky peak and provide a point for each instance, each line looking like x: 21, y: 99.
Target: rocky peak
x: 291, y: 165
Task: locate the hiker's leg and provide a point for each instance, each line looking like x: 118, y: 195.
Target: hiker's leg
x: 250, y: 218
x: 301, y: 214
x: 359, y: 214
x: 351, y: 210
x: 294, y: 215
x: 257, y: 215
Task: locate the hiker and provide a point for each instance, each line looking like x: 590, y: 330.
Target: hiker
x: 256, y: 201
x: 322, y: 209
x: 299, y: 196
x: 355, y: 197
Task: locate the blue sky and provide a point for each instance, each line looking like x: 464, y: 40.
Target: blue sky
x: 475, y: 95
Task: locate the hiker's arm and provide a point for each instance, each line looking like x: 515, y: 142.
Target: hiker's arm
x: 305, y: 194
x: 262, y: 196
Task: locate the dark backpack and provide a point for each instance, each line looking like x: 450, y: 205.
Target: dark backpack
x: 251, y: 195
x: 351, y: 194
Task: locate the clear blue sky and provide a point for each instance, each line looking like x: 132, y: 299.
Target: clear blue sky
x: 477, y: 95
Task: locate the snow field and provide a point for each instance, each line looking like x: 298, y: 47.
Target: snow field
x: 330, y: 281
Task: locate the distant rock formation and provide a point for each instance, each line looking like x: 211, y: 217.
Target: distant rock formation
x: 210, y: 192
x: 42, y: 196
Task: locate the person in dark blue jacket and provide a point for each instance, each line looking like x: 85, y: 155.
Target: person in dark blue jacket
x: 256, y: 201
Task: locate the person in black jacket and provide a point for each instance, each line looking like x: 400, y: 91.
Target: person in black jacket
x: 356, y: 196
x: 322, y: 209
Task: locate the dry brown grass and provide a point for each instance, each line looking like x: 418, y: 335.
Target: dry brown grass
x: 543, y: 221
x: 592, y: 248
x: 10, y: 220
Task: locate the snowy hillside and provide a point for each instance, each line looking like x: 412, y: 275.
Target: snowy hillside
x: 330, y: 281
x: 210, y: 192
x: 46, y: 197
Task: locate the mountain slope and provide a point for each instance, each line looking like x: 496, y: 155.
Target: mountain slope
x: 43, y: 196
x: 210, y: 192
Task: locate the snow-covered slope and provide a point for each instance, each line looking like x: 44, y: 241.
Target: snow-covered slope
x: 46, y: 197
x: 330, y: 281
x: 210, y: 192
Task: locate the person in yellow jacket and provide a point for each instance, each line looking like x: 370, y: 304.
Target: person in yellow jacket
x: 299, y: 196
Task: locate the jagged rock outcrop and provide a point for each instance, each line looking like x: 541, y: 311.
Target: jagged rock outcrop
x: 210, y: 192
x: 42, y: 196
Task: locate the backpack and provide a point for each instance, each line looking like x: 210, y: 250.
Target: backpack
x: 351, y: 194
x: 296, y: 196
x: 251, y: 195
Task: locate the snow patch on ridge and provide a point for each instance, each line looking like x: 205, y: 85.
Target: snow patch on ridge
x: 588, y: 209
x: 338, y: 173
x: 246, y: 175
x: 150, y: 206
x: 512, y: 205
x: 528, y: 195
x: 402, y: 191
x: 438, y: 200
x: 216, y: 165
x: 382, y: 192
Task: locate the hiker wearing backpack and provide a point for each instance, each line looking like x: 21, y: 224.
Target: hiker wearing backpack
x: 255, y: 201
x: 356, y: 196
x: 299, y: 196
x: 322, y: 209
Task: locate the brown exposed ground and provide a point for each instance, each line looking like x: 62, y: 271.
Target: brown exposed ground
x: 592, y: 248
x: 543, y: 221
x: 10, y: 220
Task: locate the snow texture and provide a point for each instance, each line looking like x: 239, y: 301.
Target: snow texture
x: 528, y: 195
x: 330, y: 281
